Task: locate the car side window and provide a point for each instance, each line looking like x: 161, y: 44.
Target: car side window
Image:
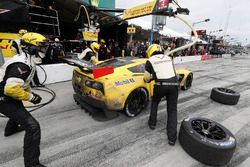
x: 138, y: 68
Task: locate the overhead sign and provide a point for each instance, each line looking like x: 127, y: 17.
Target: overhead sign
x: 146, y: 9
x: 163, y: 4
x: 90, y: 36
x: 140, y: 10
x: 131, y: 30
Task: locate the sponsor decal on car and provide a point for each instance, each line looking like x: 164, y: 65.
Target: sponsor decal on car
x: 124, y: 82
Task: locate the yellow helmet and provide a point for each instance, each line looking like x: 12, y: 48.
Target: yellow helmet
x: 102, y: 41
x: 152, y: 49
x: 22, y: 32
x: 95, y: 47
x: 32, y: 38
x: 34, y: 43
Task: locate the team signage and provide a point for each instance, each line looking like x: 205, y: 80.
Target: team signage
x: 90, y: 36
x: 131, y: 30
x: 146, y: 9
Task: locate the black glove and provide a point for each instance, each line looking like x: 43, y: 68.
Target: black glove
x: 35, y: 99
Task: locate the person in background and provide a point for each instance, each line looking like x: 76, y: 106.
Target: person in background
x: 102, y: 54
x: 193, y: 51
x: 110, y: 49
x: 90, y: 53
x: 55, y: 51
x: 141, y: 50
x: 117, y: 50
x: 160, y: 68
x: 15, y: 77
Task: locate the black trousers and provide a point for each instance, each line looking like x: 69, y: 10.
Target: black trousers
x: 18, y: 115
x: 171, y: 94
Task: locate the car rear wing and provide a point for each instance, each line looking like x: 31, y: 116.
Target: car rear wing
x: 88, y: 67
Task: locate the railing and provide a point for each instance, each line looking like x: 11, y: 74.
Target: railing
x: 41, y: 17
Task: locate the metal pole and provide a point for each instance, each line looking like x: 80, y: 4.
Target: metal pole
x: 152, y: 31
x: 131, y: 35
x: 1, y: 58
x: 191, y: 33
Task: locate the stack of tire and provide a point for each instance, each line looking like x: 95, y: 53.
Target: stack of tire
x: 207, y: 141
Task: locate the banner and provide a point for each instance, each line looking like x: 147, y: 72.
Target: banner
x: 146, y: 9
x: 90, y: 36
x: 141, y: 10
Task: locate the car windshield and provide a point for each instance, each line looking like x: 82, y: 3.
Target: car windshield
x: 117, y: 62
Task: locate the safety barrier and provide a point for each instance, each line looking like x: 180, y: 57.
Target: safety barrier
x: 55, y: 73
x: 63, y: 72
x: 179, y: 60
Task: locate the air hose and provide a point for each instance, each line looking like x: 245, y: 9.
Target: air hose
x: 44, y: 89
x: 189, y: 44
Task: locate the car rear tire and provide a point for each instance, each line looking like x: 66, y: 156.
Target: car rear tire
x: 188, y: 82
x: 136, y: 102
x: 207, y: 141
x: 225, y: 96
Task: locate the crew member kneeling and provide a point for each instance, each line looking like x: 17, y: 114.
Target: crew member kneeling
x: 160, y: 68
x: 15, y: 77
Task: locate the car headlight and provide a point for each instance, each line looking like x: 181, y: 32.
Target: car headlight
x: 97, y: 85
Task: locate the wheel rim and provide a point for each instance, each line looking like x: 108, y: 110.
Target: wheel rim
x: 208, y: 129
x: 137, y: 102
x: 226, y: 90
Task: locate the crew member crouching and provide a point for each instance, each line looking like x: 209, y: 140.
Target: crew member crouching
x: 15, y: 77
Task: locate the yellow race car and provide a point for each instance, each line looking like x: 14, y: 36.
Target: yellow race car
x: 124, y: 89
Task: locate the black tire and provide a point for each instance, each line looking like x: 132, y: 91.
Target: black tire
x: 136, y: 102
x: 225, y: 96
x: 207, y: 141
x: 188, y: 82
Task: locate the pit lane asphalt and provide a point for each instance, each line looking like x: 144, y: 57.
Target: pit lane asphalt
x: 71, y: 138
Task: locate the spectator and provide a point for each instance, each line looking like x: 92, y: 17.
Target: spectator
x: 117, y: 50
x: 102, y: 54
x: 54, y: 52
x: 141, y: 50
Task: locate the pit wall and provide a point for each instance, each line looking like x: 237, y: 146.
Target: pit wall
x: 63, y: 72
